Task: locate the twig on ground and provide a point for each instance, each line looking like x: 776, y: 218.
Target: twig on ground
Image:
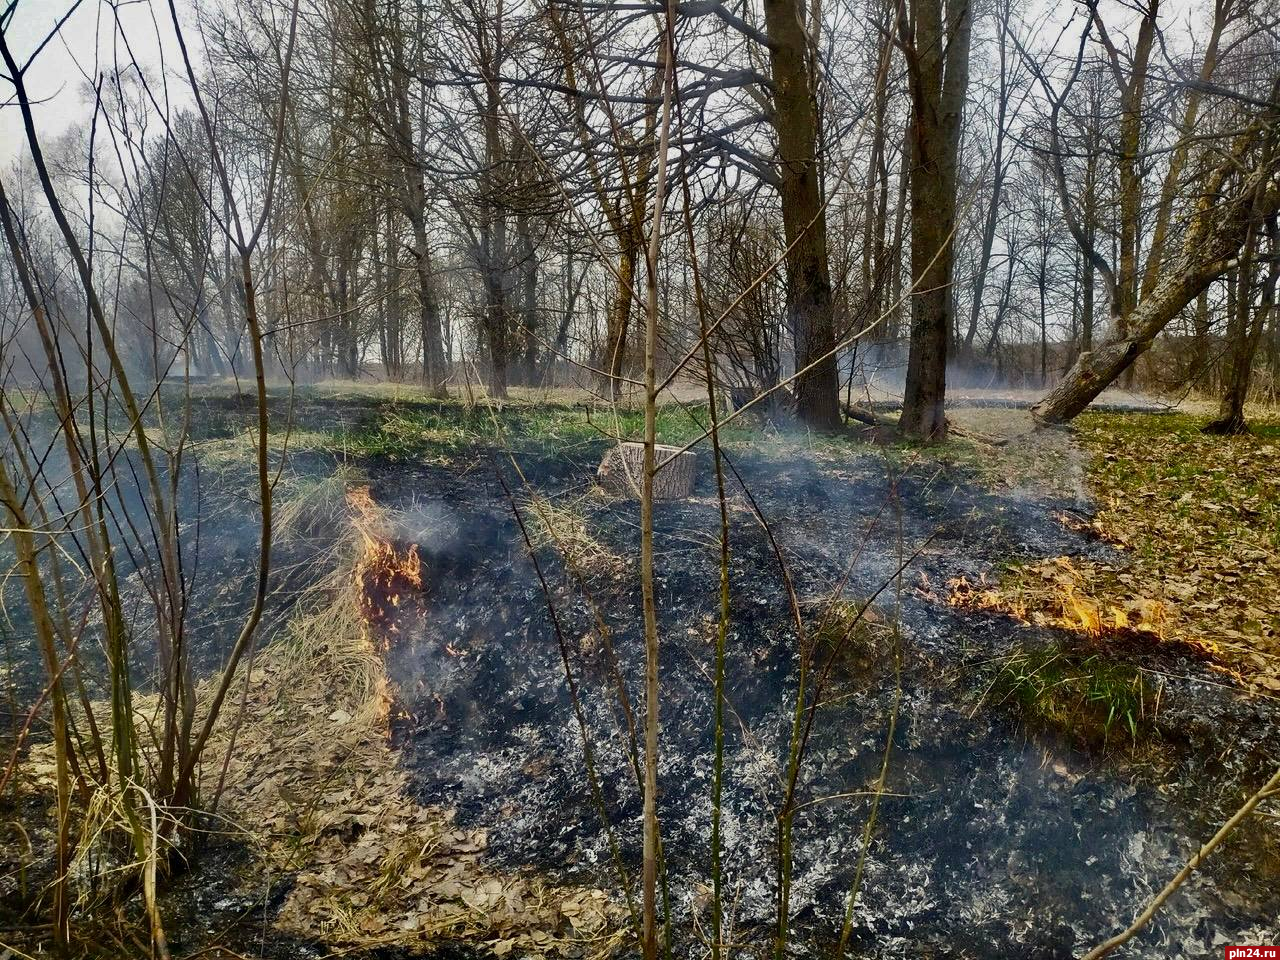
x: 1124, y: 936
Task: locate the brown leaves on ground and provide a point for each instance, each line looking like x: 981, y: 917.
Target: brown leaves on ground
x: 1198, y: 520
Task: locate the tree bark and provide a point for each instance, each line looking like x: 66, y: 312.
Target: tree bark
x: 938, y: 74
x: 434, y: 375
x: 620, y: 311
x: 528, y: 301
x: 1245, y: 333
x: 810, y: 307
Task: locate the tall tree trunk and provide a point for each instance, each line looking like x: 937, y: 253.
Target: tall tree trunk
x: 810, y: 307
x: 408, y: 149
x: 528, y: 301
x: 1044, y: 313
x: 1245, y: 333
x: 894, y: 330
x: 395, y: 300
x: 874, y: 255
x: 1222, y: 14
x: 434, y: 374
x: 497, y: 324
x: 622, y: 195
x: 938, y: 73
x: 1130, y: 82
x: 999, y: 168
x: 494, y: 211
x: 1086, y: 303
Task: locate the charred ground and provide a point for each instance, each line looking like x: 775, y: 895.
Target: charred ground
x: 992, y: 841
x: 1001, y: 833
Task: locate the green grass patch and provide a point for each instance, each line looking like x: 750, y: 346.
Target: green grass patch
x: 861, y: 640
x: 1086, y: 697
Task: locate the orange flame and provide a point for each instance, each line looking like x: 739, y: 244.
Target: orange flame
x: 385, y: 574
x: 1062, y: 602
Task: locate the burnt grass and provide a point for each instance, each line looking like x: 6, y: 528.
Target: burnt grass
x: 994, y: 839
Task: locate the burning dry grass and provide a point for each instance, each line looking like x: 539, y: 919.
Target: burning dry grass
x: 312, y: 771
x: 1055, y: 593
x: 1196, y: 518
x: 384, y: 575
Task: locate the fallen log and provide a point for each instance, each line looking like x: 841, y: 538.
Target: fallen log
x: 873, y: 419
x: 868, y: 416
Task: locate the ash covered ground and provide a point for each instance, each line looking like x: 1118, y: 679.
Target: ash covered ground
x: 990, y: 842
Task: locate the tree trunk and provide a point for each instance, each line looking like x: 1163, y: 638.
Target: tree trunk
x: 495, y: 181
x: 434, y: 376
x: 998, y: 170
x: 938, y: 62
x: 1043, y: 284
x: 894, y: 330
x: 875, y: 256
x: 810, y: 308
x: 615, y: 348
x: 1245, y: 333
x: 1086, y: 305
x: 408, y: 150
x: 528, y: 302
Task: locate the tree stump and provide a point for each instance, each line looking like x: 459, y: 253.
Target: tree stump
x: 622, y: 471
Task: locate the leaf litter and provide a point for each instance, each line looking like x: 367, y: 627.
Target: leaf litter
x: 1196, y: 520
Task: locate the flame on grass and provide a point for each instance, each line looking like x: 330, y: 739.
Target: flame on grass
x: 1053, y: 594
x: 384, y: 573
x: 1059, y: 594
x: 313, y: 770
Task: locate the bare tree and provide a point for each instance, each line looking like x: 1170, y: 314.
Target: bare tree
x: 937, y: 54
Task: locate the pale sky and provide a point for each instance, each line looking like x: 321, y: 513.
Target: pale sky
x: 57, y: 80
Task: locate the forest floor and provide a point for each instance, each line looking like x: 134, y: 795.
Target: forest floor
x: 1089, y: 641
x: 1197, y: 520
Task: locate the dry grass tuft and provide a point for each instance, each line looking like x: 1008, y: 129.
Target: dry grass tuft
x: 309, y: 508
x: 562, y: 525
x: 313, y: 771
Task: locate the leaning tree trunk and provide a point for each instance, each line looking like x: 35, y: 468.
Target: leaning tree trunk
x: 1217, y: 231
x: 810, y: 307
x: 1096, y: 370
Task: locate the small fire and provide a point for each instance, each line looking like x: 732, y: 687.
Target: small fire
x: 1060, y: 600
x: 385, y: 573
